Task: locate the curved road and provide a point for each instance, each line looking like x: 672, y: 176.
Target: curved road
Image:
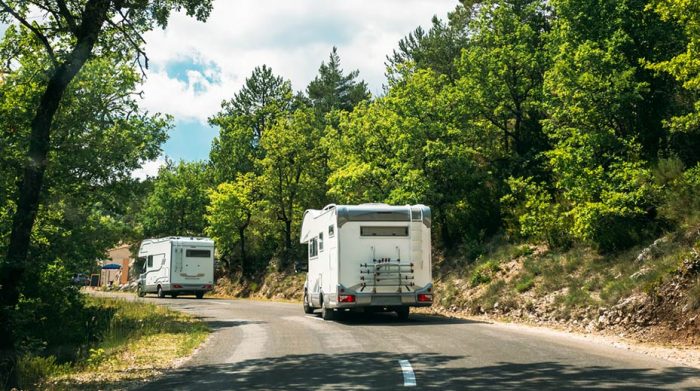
x: 275, y: 346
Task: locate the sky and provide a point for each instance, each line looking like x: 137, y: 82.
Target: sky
x: 193, y: 66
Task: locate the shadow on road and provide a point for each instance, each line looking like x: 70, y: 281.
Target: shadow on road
x: 381, y: 370
x: 389, y: 318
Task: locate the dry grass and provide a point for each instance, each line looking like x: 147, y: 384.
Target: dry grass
x: 142, y: 341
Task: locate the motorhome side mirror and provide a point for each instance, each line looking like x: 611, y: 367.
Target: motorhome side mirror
x: 141, y: 264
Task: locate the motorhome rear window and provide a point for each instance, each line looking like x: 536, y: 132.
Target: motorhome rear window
x: 198, y: 253
x: 366, y: 215
x: 384, y: 231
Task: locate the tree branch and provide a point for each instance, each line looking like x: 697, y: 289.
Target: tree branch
x: 34, y: 30
x: 67, y: 15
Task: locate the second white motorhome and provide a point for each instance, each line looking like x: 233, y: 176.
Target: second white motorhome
x: 370, y: 256
x: 176, y: 266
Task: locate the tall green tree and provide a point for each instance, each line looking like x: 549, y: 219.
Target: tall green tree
x: 501, y: 73
x: 288, y: 173
x: 244, y: 118
x: 334, y: 90
x: 230, y: 212
x: 177, y: 204
x: 70, y: 33
x: 436, y: 49
x: 407, y: 147
x: 684, y: 68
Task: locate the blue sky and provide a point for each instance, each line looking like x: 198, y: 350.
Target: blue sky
x: 194, y: 66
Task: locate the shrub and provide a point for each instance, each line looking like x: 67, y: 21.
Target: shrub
x: 681, y: 197
x: 483, y: 274
x: 536, y: 215
x: 525, y: 283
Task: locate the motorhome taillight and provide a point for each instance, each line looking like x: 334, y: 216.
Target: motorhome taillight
x: 424, y: 297
x: 346, y: 298
x: 177, y: 286
x: 206, y: 286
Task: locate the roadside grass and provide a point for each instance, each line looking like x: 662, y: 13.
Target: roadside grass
x: 137, y: 341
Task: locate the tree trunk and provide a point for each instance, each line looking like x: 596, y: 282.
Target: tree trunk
x: 30, y: 187
x: 287, y: 243
x: 241, y: 233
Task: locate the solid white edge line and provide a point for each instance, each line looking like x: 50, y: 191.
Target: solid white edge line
x: 409, y: 378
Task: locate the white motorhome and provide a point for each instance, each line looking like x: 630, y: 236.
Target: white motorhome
x: 369, y: 256
x: 176, y: 266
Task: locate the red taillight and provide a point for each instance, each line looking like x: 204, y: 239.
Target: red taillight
x: 424, y: 297
x: 206, y: 286
x: 177, y: 286
x: 346, y: 298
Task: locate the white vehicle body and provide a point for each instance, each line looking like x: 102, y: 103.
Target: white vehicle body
x: 177, y: 265
x: 370, y: 255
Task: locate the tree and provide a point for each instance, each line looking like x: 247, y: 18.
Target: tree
x: 599, y: 103
x: 288, y: 171
x: 684, y: 68
x: 332, y: 90
x: 406, y: 147
x: 243, y: 120
x: 501, y: 73
x: 177, y: 205
x: 229, y: 215
x: 436, y: 49
x: 59, y: 121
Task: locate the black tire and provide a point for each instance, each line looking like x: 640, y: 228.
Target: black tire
x: 402, y: 313
x: 327, y: 313
x: 199, y: 295
x: 173, y: 295
x: 161, y: 294
x: 308, y: 309
x: 139, y: 291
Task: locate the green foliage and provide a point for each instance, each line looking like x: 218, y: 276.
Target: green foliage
x: 177, y: 204
x: 684, y: 66
x: 538, y: 216
x: 484, y: 273
x: 525, y: 283
x: 681, y: 196
x: 332, y: 90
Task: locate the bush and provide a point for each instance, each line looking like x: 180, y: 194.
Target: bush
x: 536, y: 215
x: 32, y: 370
x: 681, y: 197
x: 483, y: 274
x: 525, y: 283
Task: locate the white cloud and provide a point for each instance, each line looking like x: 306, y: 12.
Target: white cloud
x: 292, y: 37
x: 148, y: 169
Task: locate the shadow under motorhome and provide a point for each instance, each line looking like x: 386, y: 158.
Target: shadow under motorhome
x: 369, y: 256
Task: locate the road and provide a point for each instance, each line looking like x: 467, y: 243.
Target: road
x: 274, y: 346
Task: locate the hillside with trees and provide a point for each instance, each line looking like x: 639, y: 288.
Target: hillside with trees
x: 555, y: 141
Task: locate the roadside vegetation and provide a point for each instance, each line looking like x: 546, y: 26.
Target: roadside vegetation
x: 129, y: 341
x: 554, y: 140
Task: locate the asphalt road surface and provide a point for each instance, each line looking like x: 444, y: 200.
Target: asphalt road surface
x: 275, y: 346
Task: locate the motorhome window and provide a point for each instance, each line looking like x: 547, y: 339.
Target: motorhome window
x: 320, y: 241
x: 416, y: 215
x: 313, y: 248
x: 383, y: 231
x: 331, y: 231
x: 366, y: 215
x: 197, y: 253
x: 150, y: 261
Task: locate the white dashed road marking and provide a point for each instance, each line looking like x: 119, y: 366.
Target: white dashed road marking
x: 409, y: 378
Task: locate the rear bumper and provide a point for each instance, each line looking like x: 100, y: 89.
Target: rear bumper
x: 369, y: 299
x: 186, y: 288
